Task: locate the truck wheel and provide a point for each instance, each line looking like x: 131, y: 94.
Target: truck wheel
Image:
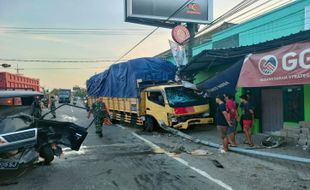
x: 149, y: 124
x: 47, y: 153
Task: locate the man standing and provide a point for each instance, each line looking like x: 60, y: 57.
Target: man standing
x: 99, y: 112
x: 53, y: 106
x: 222, y: 122
x: 36, y: 109
x: 248, y: 119
x: 231, y: 107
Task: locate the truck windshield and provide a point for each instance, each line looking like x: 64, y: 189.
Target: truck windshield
x: 183, y: 97
x: 63, y: 93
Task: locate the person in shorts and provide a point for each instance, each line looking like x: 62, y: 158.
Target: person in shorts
x: 248, y: 119
x: 222, y: 122
x: 231, y: 108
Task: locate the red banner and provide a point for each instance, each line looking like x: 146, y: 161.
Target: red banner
x: 288, y: 65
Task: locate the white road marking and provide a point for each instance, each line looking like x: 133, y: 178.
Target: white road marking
x: 118, y: 125
x: 71, y: 109
x: 180, y: 160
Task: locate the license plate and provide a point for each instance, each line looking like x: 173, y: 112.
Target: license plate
x: 8, y: 164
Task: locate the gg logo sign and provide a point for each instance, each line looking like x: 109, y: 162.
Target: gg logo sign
x: 268, y: 65
x: 292, y: 59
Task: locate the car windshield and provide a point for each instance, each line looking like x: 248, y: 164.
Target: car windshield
x: 181, y: 97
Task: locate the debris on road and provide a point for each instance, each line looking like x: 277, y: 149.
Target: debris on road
x: 272, y: 141
x: 201, y: 152
x: 217, y: 164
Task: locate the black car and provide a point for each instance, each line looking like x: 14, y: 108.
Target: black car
x: 23, y: 138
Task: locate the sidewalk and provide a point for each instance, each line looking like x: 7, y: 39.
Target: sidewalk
x: 210, y: 133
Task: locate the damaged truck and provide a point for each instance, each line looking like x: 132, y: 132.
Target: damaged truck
x: 142, y: 92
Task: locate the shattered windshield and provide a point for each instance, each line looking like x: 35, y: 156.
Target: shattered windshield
x: 181, y: 97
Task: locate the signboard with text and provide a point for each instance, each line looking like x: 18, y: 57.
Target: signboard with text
x: 157, y: 12
x: 288, y: 65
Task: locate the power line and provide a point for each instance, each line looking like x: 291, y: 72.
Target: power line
x: 152, y: 32
x: 256, y: 13
x: 245, y: 15
x: 61, y: 68
x: 74, y: 31
x: 59, y: 61
x: 242, y: 5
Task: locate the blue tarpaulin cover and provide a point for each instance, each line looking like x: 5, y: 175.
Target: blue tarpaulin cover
x: 223, y: 82
x: 120, y: 79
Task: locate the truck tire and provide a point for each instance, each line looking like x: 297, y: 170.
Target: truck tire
x: 47, y: 153
x: 149, y: 124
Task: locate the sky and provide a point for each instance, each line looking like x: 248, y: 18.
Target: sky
x: 76, y: 14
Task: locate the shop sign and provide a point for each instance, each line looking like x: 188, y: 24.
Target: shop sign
x: 180, y: 34
x: 288, y: 65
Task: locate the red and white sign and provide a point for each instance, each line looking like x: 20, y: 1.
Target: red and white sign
x: 288, y: 65
x: 180, y: 34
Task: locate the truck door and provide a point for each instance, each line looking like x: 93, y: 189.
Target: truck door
x: 155, y: 106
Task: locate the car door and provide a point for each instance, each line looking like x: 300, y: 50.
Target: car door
x: 155, y: 106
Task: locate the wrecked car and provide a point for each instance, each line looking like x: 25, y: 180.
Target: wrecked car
x: 23, y: 138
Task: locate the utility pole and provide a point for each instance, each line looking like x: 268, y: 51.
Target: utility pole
x: 192, y: 28
x: 18, y: 69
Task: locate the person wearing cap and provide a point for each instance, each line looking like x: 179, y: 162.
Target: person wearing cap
x: 101, y: 116
x: 223, y: 123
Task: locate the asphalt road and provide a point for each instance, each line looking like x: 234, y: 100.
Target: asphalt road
x: 119, y: 160
x: 128, y: 159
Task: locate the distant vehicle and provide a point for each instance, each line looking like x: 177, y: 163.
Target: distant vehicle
x: 64, y: 96
x: 75, y: 99
x: 23, y: 138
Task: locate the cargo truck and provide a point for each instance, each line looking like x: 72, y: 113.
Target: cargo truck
x: 64, y: 96
x: 146, y: 102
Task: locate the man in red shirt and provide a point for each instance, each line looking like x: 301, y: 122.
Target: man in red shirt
x: 232, y: 111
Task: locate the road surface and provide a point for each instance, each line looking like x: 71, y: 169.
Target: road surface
x: 126, y: 158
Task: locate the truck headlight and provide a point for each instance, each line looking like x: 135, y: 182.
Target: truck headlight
x: 174, y: 119
x: 207, y: 114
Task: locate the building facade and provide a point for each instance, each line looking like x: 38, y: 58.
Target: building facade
x: 288, y: 105
x: 14, y: 81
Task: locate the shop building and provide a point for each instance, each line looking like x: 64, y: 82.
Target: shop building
x: 278, y: 106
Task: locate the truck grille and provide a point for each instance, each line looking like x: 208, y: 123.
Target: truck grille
x: 19, y: 136
x: 187, y: 117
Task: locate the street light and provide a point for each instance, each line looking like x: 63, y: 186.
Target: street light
x: 4, y: 65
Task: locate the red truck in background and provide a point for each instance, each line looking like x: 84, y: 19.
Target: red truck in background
x: 9, y: 81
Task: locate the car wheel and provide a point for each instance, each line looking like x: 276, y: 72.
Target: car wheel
x: 47, y: 153
x: 149, y: 124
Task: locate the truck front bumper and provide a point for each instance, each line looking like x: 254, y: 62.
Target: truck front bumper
x: 195, y: 121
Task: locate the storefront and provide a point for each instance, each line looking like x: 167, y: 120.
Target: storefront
x: 281, y: 78
x: 277, y: 73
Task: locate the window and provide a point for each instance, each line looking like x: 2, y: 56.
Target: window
x: 183, y: 97
x: 293, y: 98
x: 156, y: 97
